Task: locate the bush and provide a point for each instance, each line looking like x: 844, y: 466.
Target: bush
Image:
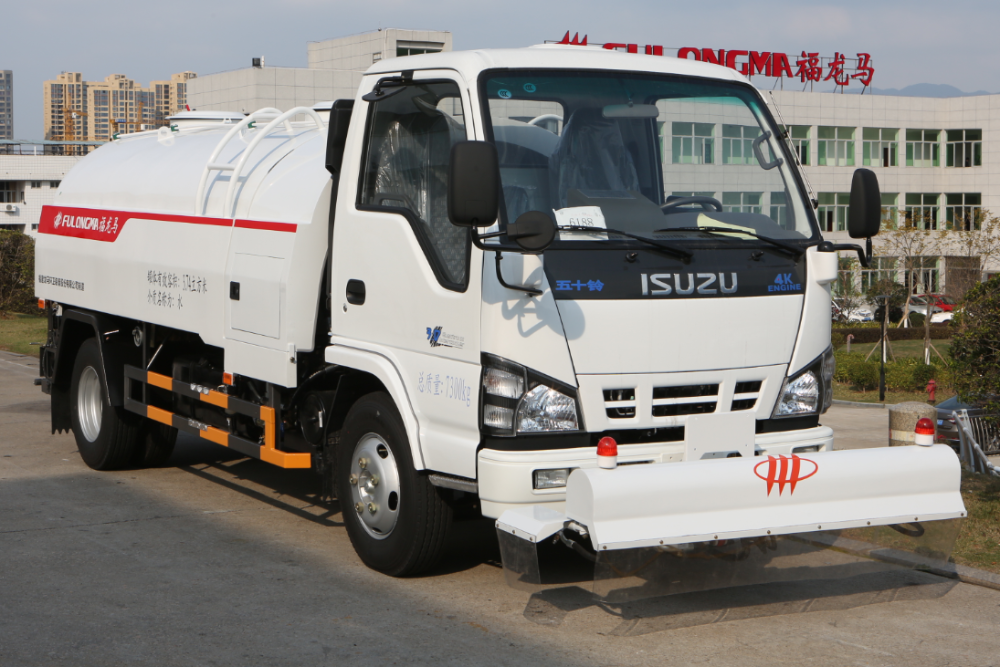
x: 864, y: 375
x: 975, y: 347
x: 17, y: 272
x: 837, y: 339
x: 868, y: 333
x: 904, y: 374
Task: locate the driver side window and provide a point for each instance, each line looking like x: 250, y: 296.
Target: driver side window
x: 408, y: 150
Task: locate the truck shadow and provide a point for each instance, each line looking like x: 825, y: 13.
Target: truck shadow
x: 298, y: 492
x: 551, y: 607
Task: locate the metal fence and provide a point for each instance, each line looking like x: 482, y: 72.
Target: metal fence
x: 978, y: 439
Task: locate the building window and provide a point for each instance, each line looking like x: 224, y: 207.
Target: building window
x: 693, y: 143
x: 963, y: 211
x: 879, y: 147
x: 798, y: 138
x: 882, y: 268
x: 742, y: 202
x: 54, y: 184
x: 674, y: 195
x: 922, y: 210
x: 922, y: 148
x: 737, y: 144
x: 832, y: 211
x: 376, y: 57
x: 890, y: 210
x: 925, y: 275
x: 411, y: 51
x: 779, y: 208
x: 36, y: 184
x: 964, y: 148
x: 836, y: 147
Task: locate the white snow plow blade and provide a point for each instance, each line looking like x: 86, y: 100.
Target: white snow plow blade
x: 663, y: 529
x: 676, y: 503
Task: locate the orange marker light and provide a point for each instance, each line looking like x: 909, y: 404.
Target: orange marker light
x: 41, y: 304
x: 227, y: 378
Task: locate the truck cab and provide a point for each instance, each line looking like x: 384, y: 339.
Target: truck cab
x: 445, y: 295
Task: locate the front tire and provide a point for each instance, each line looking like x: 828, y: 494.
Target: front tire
x: 395, y: 517
x: 105, y: 435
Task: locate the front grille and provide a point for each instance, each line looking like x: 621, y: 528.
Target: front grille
x: 676, y: 401
x: 620, y: 403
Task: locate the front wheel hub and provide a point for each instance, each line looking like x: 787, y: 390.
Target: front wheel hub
x: 377, y: 487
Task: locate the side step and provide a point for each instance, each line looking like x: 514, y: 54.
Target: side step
x: 266, y: 452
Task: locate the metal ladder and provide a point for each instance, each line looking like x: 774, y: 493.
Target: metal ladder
x: 248, y: 123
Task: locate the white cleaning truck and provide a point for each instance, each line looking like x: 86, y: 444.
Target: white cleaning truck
x: 444, y: 294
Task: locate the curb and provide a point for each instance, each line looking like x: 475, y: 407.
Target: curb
x: 859, y: 404
x: 968, y: 575
x: 963, y: 573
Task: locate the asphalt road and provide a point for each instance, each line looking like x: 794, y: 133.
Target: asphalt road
x: 215, y: 560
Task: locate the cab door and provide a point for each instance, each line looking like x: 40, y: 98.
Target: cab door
x: 406, y: 282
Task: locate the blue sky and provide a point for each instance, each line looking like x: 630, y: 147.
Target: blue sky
x: 915, y: 41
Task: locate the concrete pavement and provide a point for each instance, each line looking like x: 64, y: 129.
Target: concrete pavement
x: 216, y: 560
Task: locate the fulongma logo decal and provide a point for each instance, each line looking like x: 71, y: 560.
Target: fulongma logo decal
x: 783, y: 470
x: 438, y: 338
x: 784, y: 283
x: 661, y: 284
x: 58, y: 220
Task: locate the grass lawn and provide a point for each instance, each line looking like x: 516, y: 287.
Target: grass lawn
x: 903, y: 348
x: 979, y: 542
x: 19, y: 330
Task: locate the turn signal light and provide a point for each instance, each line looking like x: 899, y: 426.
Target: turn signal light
x: 227, y: 378
x: 41, y: 304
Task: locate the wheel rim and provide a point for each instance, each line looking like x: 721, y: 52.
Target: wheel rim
x: 89, y: 403
x: 374, y: 483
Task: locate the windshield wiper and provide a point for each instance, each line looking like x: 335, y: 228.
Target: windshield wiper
x: 670, y: 250
x: 787, y: 247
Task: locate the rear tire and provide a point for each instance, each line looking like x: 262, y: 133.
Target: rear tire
x: 105, y: 435
x: 155, y: 444
x: 406, y: 532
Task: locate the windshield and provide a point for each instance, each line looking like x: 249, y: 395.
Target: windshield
x: 651, y: 155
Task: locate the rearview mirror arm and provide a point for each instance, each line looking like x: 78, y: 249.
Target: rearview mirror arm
x: 477, y: 241
x: 530, y: 291
x: 864, y: 254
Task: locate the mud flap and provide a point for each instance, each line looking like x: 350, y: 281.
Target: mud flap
x: 654, y: 530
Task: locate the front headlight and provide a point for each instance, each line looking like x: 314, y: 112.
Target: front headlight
x: 545, y: 409
x: 518, y: 400
x: 809, y: 392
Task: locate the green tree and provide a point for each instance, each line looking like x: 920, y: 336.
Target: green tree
x: 17, y: 272
x: 975, y: 347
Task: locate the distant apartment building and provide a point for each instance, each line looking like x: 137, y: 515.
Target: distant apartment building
x: 78, y: 110
x: 6, y: 104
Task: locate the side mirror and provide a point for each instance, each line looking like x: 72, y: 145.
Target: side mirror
x: 533, y: 231
x: 864, y: 217
x: 473, y: 184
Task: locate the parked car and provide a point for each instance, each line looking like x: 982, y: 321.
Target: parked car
x: 947, y: 429
x: 987, y: 434
x: 919, y: 304
x: 855, y: 314
x: 895, y: 314
x: 945, y: 303
x: 942, y: 318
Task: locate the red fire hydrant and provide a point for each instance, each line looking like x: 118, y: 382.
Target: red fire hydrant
x: 931, y: 388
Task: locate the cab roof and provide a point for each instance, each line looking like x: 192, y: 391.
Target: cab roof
x: 554, y: 56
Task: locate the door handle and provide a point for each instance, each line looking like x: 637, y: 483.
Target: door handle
x: 355, y: 292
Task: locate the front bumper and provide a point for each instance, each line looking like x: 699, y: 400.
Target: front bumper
x: 506, y: 477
